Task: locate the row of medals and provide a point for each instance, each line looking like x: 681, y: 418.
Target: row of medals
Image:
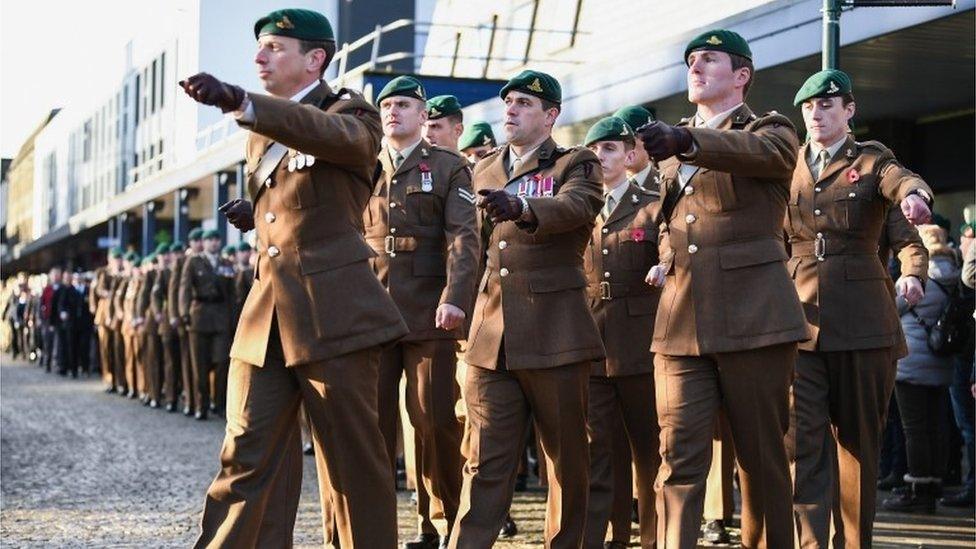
x: 299, y: 161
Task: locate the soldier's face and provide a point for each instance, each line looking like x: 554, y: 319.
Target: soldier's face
x: 614, y: 157
x: 403, y: 117
x: 443, y: 132
x: 526, y: 122
x: 826, y: 119
x: 196, y: 246
x: 711, y: 78
x: 282, y: 66
x: 474, y: 154
x: 640, y: 158
x: 212, y: 245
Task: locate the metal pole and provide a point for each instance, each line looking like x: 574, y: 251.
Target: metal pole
x: 457, y: 48
x: 491, y: 44
x: 148, y: 227
x: 830, y: 57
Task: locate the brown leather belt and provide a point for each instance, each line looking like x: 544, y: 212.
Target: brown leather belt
x: 608, y: 291
x: 822, y: 247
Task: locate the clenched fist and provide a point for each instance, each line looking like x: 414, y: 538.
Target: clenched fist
x: 662, y: 141
x: 205, y: 88
x: 500, y: 205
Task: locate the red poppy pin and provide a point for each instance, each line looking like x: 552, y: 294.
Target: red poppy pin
x: 853, y: 176
x: 637, y: 235
x: 424, y: 167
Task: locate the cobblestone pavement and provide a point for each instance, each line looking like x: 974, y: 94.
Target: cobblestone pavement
x: 79, y: 467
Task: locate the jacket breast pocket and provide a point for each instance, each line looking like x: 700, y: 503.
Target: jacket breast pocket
x: 298, y: 189
x: 854, y: 202
x: 717, y: 190
x: 422, y: 207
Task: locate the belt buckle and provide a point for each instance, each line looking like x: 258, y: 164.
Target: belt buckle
x: 605, y: 291
x: 389, y: 245
x: 820, y: 248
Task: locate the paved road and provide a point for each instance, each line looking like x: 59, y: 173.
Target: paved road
x: 83, y: 468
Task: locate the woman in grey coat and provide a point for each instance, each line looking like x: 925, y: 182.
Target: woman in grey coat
x: 923, y: 379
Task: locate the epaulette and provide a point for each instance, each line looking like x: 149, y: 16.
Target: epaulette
x: 877, y: 145
x: 451, y: 152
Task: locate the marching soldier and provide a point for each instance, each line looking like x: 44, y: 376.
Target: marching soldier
x: 176, y: 319
x: 641, y: 171
x: 839, y: 200
x: 205, y: 301
x: 131, y: 321
x: 445, y: 122
x: 622, y: 248
x: 169, y: 345
x: 421, y: 223
x: 148, y: 334
x: 729, y: 321
x: 532, y: 336
x: 476, y: 142
x: 100, y: 302
x: 316, y: 316
x: 117, y: 314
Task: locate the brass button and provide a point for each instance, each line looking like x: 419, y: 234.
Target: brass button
x: 816, y: 212
x: 606, y: 251
x: 393, y: 181
x: 852, y: 195
x: 502, y: 245
x: 692, y: 249
x: 817, y: 189
x: 689, y: 190
x: 819, y: 235
x: 503, y: 271
x: 269, y: 217
x: 690, y: 218
x: 393, y: 204
x: 606, y: 230
x: 267, y: 182
x: 392, y: 230
x: 273, y: 251
x: 606, y: 274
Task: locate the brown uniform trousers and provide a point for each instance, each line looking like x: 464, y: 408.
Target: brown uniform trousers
x: 309, y: 332
x: 206, y: 298
x: 421, y: 223
x: 131, y: 337
x: 118, y: 335
x: 845, y: 375
x: 149, y: 336
x: 169, y: 346
x: 623, y: 247
x: 533, y: 354
x: 719, y: 489
x: 100, y: 303
x: 727, y: 325
x: 183, y: 337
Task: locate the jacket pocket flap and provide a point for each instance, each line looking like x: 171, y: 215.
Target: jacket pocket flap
x: 338, y: 251
x: 756, y: 252
x: 864, y: 267
x: 556, y: 279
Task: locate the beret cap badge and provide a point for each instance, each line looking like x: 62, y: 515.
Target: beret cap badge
x: 535, y: 86
x: 285, y: 23
x: 714, y: 40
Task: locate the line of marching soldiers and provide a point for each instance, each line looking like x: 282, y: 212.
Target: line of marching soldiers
x: 164, y: 321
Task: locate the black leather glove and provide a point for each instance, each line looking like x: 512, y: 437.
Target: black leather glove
x: 500, y: 205
x: 662, y: 141
x: 239, y: 213
x: 205, y: 88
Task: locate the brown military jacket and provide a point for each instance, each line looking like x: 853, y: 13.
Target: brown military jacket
x: 727, y: 287
x: 159, y: 308
x: 652, y: 182
x: 312, y: 271
x: 130, y: 304
x: 206, y: 294
x: 422, y: 224
x: 100, y: 296
x: 144, y: 302
x: 116, y: 312
x: 173, y: 292
x: 835, y: 225
x: 537, y: 271
x: 621, y: 251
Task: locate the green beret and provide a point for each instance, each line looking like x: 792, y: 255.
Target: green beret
x: 243, y: 246
x: 720, y: 40
x: 132, y: 257
x: 441, y: 106
x: 406, y: 86
x: 177, y: 246
x: 611, y: 128
x: 296, y: 23
x: 967, y: 226
x: 635, y: 116
x: 162, y: 248
x: 229, y: 249
x: 478, y: 134
x: 148, y: 259
x: 534, y: 83
x: 195, y: 234
x: 211, y: 233
x: 826, y: 83
x: 116, y: 252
